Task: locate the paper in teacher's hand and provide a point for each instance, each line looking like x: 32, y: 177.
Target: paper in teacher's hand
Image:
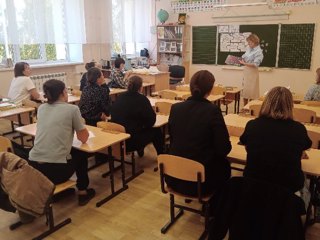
x: 232, y: 60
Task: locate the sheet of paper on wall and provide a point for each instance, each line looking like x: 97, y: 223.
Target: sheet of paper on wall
x: 233, y: 60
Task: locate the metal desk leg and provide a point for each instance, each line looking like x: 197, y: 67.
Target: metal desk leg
x: 312, y: 189
x: 124, y: 186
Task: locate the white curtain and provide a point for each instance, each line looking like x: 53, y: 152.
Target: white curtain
x: 131, y: 22
x: 41, y: 21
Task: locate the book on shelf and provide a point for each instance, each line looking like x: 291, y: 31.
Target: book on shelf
x: 160, y: 32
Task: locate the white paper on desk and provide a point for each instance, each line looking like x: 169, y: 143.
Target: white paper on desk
x: 153, y: 69
x: 91, y: 135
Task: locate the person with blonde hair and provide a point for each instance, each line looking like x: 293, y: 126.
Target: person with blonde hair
x: 313, y: 94
x: 275, y: 142
x: 251, y: 60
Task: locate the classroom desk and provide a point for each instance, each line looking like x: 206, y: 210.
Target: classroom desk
x: 309, y: 166
x: 232, y: 93
x: 10, y: 113
x: 98, y: 140
x: 236, y: 124
x: 312, y: 108
x: 71, y: 98
x: 212, y: 98
x: 154, y: 100
x: 147, y: 87
x: 160, y: 80
x: 161, y: 121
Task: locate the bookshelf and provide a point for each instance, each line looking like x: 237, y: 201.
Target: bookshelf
x: 173, y: 46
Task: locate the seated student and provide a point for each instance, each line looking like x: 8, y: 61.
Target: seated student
x: 119, y: 79
x: 198, y: 132
x: 275, y: 142
x: 22, y: 87
x: 134, y: 111
x: 94, y: 102
x: 84, y: 79
x: 313, y: 93
x: 57, y: 121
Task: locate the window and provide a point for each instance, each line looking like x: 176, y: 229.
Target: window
x: 38, y: 31
x: 131, y: 21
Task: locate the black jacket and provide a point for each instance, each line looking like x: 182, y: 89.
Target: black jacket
x: 255, y: 210
x: 133, y: 111
x: 198, y: 132
x: 274, y: 149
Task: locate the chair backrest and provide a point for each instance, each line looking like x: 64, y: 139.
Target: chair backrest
x: 311, y: 103
x: 183, y: 88
x: 315, y: 138
x: 181, y: 168
x: 218, y: 90
x: 5, y: 145
x: 177, y: 74
x: 185, y: 96
x: 168, y: 94
x: 76, y: 92
x: 163, y: 107
x: 254, y: 109
x: 304, y: 115
x: 177, y: 71
x: 115, y: 127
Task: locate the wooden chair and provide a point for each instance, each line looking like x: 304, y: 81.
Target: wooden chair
x: 304, y: 115
x: 76, y: 93
x: 49, y: 213
x: 163, y: 107
x: 5, y: 145
x: 188, y: 170
x: 315, y: 138
x: 168, y: 94
x: 255, y: 110
x: 183, y: 88
x: 220, y: 90
x: 311, y: 103
x: 117, y: 128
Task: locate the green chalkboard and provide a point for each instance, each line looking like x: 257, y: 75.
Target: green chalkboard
x: 296, y: 41
x: 268, y: 35
x: 204, y: 45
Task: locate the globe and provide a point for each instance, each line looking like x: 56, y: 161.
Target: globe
x: 163, y: 15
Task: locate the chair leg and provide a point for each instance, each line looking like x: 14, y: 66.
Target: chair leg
x: 206, y: 221
x: 52, y: 228
x: 173, y: 217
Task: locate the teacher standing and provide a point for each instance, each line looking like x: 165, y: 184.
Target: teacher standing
x: 251, y: 61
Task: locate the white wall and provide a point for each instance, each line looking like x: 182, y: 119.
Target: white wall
x: 299, y: 80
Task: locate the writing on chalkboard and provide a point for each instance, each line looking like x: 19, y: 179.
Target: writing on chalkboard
x: 283, y: 45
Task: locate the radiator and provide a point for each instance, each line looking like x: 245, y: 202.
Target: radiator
x: 39, y: 80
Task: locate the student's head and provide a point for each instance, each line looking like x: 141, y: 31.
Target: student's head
x: 318, y: 76
x: 95, y: 76
x: 119, y: 63
x: 201, y: 83
x: 90, y: 65
x: 135, y: 84
x: 253, y: 40
x: 278, y: 104
x: 22, y: 69
x: 53, y: 89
